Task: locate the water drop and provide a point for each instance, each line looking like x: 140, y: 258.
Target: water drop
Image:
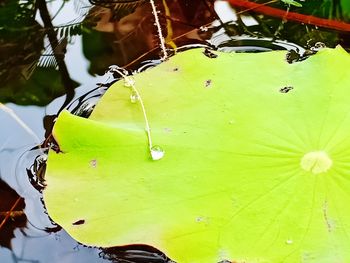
x: 134, y: 97
x: 129, y: 82
x: 289, y: 242
x: 157, y: 153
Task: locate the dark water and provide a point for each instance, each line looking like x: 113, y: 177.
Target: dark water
x: 37, y: 83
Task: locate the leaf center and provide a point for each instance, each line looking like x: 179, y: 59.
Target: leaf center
x: 316, y: 162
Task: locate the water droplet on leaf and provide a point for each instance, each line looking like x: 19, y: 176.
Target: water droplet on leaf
x: 134, y: 97
x: 129, y: 82
x: 157, y: 153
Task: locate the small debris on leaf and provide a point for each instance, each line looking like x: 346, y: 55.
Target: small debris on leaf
x: 93, y: 163
x: 207, y: 83
x: 286, y: 89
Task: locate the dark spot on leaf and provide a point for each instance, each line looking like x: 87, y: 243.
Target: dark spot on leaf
x: 286, y: 89
x: 207, y: 83
x: 209, y: 54
x: 175, y: 69
x: 292, y: 56
x: 199, y: 219
x: 55, y: 148
x: 328, y: 221
x: 93, y: 163
x: 79, y: 222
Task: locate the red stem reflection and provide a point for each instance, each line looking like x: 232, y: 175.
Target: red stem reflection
x: 306, y: 19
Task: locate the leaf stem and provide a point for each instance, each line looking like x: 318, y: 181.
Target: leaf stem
x: 130, y: 83
x: 148, y: 128
x: 159, y: 29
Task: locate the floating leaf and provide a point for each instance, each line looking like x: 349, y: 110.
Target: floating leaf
x: 256, y: 164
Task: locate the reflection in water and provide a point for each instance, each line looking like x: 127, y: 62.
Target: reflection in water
x: 11, y: 214
x: 51, y: 35
x: 23, y: 33
x: 43, y: 45
x: 133, y: 38
x: 135, y: 254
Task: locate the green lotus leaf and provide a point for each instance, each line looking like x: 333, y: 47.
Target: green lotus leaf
x: 256, y: 165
